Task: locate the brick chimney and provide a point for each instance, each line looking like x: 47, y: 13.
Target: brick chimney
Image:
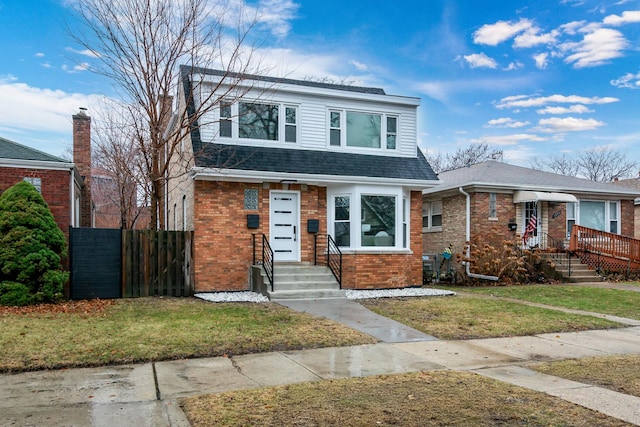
x: 82, y: 159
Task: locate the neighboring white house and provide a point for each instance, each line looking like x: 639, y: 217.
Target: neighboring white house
x: 295, y: 161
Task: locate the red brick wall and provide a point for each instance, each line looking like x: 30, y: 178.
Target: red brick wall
x: 55, y: 190
x: 82, y: 159
x: 492, y: 230
x: 388, y: 270
x: 627, y: 218
x: 223, y: 243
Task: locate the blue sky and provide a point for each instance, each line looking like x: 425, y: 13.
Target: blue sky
x: 530, y: 78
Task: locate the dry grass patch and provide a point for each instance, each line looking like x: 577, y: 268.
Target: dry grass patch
x: 148, y: 329
x: 416, y: 399
x: 617, y: 373
x: 469, y: 317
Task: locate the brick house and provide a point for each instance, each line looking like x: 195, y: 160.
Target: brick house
x: 295, y: 161
x: 633, y: 183
x: 56, y: 179
x: 490, y: 202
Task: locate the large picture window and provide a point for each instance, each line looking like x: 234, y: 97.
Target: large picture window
x: 600, y: 215
x: 362, y: 130
x: 258, y: 121
x: 363, y: 218
x: 378, y: 216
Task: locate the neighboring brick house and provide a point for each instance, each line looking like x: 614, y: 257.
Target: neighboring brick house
x: 490, y: 202
x: 634, y: 184
x: 280, y: 156
x: 56, y: 179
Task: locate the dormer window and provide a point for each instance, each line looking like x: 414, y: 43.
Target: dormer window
x: 362, y: 130
x: 258, y: 121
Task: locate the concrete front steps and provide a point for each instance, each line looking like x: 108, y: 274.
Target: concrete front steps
x: 304, y: 281
x: 580, y: 273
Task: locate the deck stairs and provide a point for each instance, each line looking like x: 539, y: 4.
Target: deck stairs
x: 304, y: 281
x: 572, y: 269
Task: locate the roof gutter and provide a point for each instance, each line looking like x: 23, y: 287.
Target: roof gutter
x: 468, y: 239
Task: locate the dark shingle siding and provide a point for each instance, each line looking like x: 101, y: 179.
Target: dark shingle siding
x: 13, y: 150
x: 286, y: 160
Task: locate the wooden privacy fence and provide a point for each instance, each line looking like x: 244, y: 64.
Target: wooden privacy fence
x: 111, y: 263
x: 157, y: 263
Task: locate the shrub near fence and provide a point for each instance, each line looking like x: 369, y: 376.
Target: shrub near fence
x: 157, y: 263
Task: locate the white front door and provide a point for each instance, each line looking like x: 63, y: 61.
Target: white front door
x: 284, y: 226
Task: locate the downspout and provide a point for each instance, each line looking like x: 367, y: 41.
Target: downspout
x: 468, y: 239
x: 72, y: 195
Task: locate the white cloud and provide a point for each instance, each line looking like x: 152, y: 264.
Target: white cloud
x: 494, y: 34
x: 523, y: 101
x: 532, y: 37
x: 542, y: 60
x: 514, y: 66
x: 573, y: 27
x: 628, y: 17
x: 359, y: 65
x: 42, y: 115
x: 277, y: 15
x: 509, y: 139
x: 505, y: 122
x: 39, y: 55
x: 480, y: 60
x: 84, y: 52
x: 568, y: 124
x: 596, y: 48
x: 574, y: 109
x: 628, y: 81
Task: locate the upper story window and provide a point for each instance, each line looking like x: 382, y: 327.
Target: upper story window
x: 258, y: 121
x: 362, y: 130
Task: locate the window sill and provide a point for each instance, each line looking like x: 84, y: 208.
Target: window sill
x: 375, y: 251
x: 432, y: 230
x: 493, y: 218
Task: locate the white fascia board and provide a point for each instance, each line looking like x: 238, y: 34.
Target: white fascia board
x: 271, y: 87
x: 510, y: 187
x: 261, y: 176
x: 35, y: 164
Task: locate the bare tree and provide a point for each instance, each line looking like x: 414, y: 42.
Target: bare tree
x: 140, y: 45
x: 125, y: 182
x: 474, y: 153
x: 595, y: 164
x: 561, y: 164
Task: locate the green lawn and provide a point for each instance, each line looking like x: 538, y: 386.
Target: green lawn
x: 600, y: 300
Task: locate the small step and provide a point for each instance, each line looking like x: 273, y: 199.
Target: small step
x: 304, y: 281
x: 308, y: 294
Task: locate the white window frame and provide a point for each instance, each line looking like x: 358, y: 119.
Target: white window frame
x: 571, y: 219
x: 355, y: 192
x: 607, y: 214
x: 282, y: 121
x: 384, y: 134
x: 429, y: 210
x: 493, y: 205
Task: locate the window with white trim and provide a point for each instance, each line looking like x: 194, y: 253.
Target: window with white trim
x: 357, y: 129
x: 432, y: 215
x: 364, y: 217
x: 259, y: 121
x: 36, y: 182
x: 613, y: 218
x: 342, y: 220
x: 493, y: 210
x: 600, y: 215
x: 571, y: 217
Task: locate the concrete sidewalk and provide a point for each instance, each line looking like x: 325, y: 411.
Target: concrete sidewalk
x: 146, y: 394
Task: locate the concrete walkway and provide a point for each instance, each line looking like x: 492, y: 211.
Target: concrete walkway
x: 146, y: 394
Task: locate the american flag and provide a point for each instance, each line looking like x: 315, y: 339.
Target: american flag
x: 531, y: 227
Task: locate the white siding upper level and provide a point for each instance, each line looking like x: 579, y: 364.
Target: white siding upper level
x: 286, y: 115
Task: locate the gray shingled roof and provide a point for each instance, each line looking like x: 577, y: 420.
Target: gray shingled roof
x: 187, y: 70
x: 492, y: 173
x: 287, y: 160
x: 13, y: 150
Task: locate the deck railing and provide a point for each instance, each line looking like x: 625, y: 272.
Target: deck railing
x: 605, y: 251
